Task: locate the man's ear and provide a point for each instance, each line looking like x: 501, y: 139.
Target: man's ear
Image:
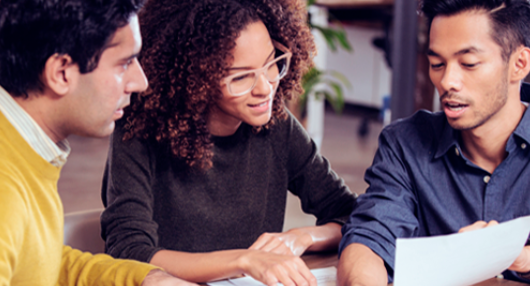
x: 521, y: 64
x: 59, y: 73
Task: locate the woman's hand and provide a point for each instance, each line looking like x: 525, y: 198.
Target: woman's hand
x: 272, y: 258
x: 272, y: 268
x: 297, y: 240
x: 292, y: 242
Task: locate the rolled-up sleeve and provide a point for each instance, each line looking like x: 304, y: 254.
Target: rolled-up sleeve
x: 388, y: 208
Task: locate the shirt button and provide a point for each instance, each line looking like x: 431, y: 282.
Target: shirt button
x: 486, y: 179
x: 523, y: 146
x: 457, y: 152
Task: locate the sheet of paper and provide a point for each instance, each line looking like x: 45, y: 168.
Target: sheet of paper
x: 325, y: 277
x: 221, y: 283
x: 460, y: 259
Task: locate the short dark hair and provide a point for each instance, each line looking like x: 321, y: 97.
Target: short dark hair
x: 33, y: 30
x: 510, y: 18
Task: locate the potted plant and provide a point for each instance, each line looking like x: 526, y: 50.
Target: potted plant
x: 324, y: 83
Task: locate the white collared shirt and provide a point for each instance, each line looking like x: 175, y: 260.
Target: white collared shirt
x: 56, y: 154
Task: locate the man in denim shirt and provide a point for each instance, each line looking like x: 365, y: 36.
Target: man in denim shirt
x: 461, y: 169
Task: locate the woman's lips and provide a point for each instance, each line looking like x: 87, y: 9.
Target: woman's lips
x: 260, y: 107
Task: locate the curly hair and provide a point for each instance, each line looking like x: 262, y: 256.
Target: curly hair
x: 186, y: 53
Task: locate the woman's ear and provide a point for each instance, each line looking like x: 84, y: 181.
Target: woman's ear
x: 521, y: 64
x: 59, y: 74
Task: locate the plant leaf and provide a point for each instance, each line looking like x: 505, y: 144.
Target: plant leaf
x: 331, y: 88
x: 341, y: 78
x: 343, y: 39
x: 329, y: 36
x: 309, y: 80
x: 339, y: 99
x: 331, y: 99
x: 333, y: 36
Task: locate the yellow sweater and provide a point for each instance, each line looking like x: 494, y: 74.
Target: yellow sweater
x: 31, y: 226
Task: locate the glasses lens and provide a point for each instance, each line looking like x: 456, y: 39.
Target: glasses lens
x: 277, y: 70
x: 242, y: 83
x: 273, y: 71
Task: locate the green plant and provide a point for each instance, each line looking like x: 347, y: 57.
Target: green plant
x: 326, y: 83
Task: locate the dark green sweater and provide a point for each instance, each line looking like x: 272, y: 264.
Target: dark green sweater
x: 154, y: 202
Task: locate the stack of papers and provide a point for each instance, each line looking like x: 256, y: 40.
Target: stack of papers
x: 325, y: 277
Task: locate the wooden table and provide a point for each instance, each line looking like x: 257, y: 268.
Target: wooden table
x: 330, y: 259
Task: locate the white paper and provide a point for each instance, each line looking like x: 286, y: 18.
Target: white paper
x: 325, y: 277
x: 221, y: 283
x: 460, y: 259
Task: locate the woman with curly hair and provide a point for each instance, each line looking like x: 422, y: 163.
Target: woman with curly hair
x: 198, y: 173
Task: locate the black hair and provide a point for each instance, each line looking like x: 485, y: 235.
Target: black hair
x: 33, y: 30
x: 510, y: 19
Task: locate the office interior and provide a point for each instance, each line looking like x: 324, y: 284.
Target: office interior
x: 378, y: 31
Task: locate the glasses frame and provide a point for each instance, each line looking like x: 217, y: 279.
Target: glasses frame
x: 258, y: 72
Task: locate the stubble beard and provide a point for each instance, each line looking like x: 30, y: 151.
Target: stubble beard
x: 499, y: 96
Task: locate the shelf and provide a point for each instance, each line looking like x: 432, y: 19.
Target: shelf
x: 354, y: 3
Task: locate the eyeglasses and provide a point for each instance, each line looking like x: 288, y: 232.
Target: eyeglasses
x: 243, y: 82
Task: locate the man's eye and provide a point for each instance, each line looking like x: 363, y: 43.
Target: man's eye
x: 127, y: 64
x: 436, y: 66
x: 469, y: 65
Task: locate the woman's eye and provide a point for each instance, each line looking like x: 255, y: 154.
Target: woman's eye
x: 242, y: 77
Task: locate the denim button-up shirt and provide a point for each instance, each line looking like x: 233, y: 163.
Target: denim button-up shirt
x: 421, y: 184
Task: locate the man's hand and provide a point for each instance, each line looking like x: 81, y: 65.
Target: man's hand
x: 360, y: 266
x: 271, y: 268
x: 292, y: 242
x: 478, y: 225
x: 521, y: 263
x: 161, y: 278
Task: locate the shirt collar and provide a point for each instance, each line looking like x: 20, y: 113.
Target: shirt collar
x: 523, y: 129
x: 449, y: 136
x: 56, y: 154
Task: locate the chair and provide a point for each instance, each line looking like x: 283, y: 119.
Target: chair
x: 82, y: 231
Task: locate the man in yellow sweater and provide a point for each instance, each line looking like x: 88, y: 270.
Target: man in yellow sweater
x: 66, y: 67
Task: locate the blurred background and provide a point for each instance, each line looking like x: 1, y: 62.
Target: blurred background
x: 370, y: 70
